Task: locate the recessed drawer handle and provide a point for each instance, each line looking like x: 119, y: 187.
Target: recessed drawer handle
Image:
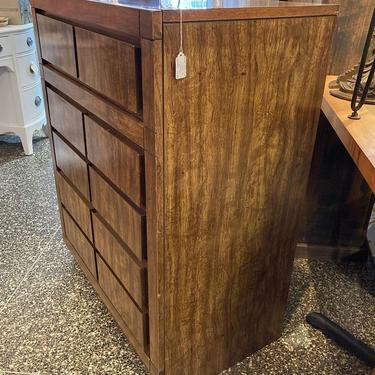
x: 33, y: 68
x: 29, y: 41
x: 38, y: 101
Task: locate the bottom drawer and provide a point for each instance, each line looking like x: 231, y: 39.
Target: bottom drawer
x: 132, y: 317
x: 32, y: 103
x: 80, y: 243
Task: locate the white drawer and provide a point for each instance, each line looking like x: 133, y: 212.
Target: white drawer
x: 24, y: 42
x: 28, y: 70
x: 5, y: 46
x: 32, y: 103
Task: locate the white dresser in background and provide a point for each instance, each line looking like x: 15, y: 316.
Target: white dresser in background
x: 21, y: 95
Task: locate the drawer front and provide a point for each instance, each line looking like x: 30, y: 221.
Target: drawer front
x: 117, y: 257
x: 118, y: 161
x: 67, y: 120
x: 28, y: 69
x: 74, y: 205
x: 133, y: 318
x: 25, y: 42
x: 80, y: 243
x: 57, y: 44
x: 32, y: 103
x: 5, y: 46
x: 110, y: 67
x: 71, y: 165
x: 123, y: 218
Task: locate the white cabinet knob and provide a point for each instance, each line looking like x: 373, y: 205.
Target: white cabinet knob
x: 34, y: 68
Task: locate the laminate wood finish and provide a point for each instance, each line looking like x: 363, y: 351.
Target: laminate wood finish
x: 195, y: 184
x: 121, y: 301
x: 123, y: 218
x: 72, y: 166
x: 57, y: 44
x: 235, y: 174
x: 128, y: 125
x: 74, y: 205
x: 80, y: 242
x: 109, y: 66
x: 67, y: 120
x: 127, y: 270
x: 117, y: 160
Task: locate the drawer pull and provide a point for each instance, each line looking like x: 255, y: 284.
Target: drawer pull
x: 33, y: 68
x: 38, y: 101
x: 29, y: 41
x: 1, y: 48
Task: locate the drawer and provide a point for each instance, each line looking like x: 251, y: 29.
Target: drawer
x: 133, y: 317
x: 67, y: 120
x: 111, y: 67
x: 117, y: 160
x: 32, y: 103
x: 71, y: 165
x: 28, y: 69
x: 57, y: 44
x: 25, y: 42
x: 123, y: 218
x: 74, y: 205
x: 80, y: 243
x: 5, y: 46
x: 117, y: 257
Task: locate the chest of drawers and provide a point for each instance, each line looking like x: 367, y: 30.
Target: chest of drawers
x: 180, y: 198
x: 21, y: 97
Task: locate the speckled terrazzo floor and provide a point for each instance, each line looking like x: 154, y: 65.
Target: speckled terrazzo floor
x: 51, y: 321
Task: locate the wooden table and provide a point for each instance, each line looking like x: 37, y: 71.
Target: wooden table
x: 339, y: 196
x: 358, y: 136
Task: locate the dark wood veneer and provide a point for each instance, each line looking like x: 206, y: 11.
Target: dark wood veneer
x: 67, y: 120
x: 109, y: 66
x: 123, y: 218
x: 118, y: 161
x: 128, y: 271
x: 80, y: 242
x: 57, y: 44
x: 72, y: 166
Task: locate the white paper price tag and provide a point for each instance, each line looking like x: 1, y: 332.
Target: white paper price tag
x: 180, y: 66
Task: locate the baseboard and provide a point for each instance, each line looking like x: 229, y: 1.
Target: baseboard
x: 323, y: 252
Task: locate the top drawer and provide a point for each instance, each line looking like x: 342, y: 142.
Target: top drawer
x: 25, y: 42
x: 57, y: 44
x: 5, y: 46
x: 110, y: 67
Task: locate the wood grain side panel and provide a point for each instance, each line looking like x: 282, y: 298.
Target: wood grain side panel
x: 80, y: 242
x: 74, y: 205
x: 67, y: 120
x: 239, y: 136
x: 72, y: 166
x: 109, y: 66
x: 121, y: 301
x: 122, y: 164
x: 126, y: 124
x: 123, y: 218
x: 121, y: 263
x: 57, y: 44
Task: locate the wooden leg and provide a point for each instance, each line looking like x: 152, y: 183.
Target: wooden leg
x: 338, y: 201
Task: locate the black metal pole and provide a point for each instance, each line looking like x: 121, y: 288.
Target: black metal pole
x: 342, y: 337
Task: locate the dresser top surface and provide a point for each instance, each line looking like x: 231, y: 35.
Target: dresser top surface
x: 165, y: 5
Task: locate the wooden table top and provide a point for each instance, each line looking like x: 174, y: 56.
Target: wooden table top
x: 358, y: 136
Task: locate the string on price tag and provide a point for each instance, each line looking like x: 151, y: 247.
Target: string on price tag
x: 180, y: 65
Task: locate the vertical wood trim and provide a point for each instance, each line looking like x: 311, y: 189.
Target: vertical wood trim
x: 153, y: 120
